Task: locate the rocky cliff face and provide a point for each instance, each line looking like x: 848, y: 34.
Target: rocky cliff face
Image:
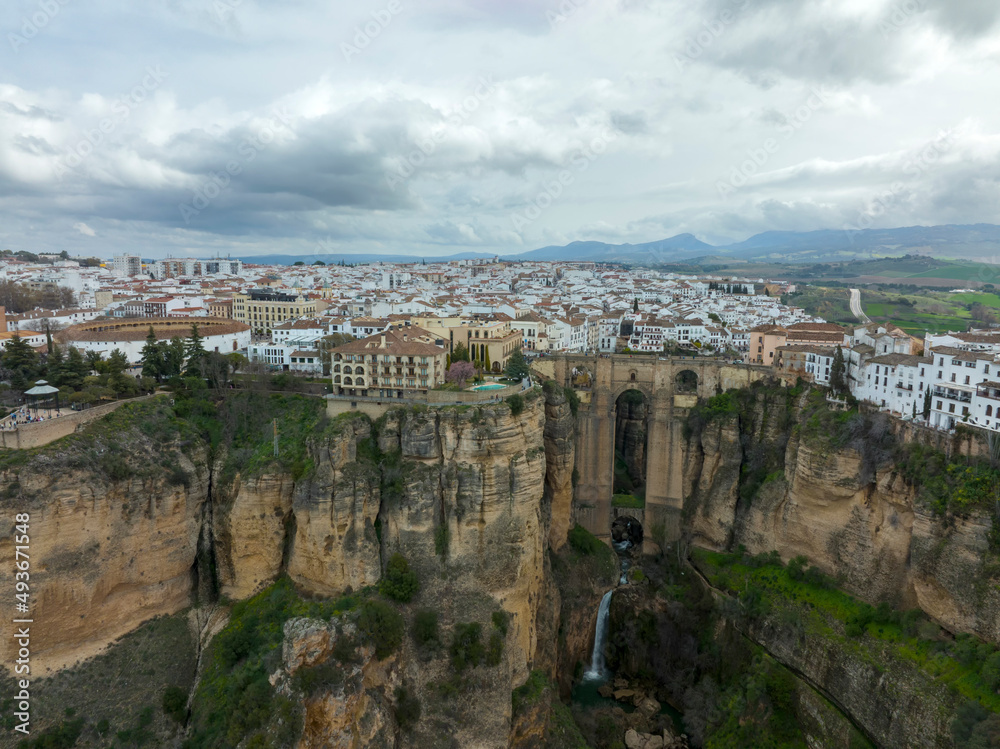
x: 332, y: 542
x: 113, y: 534
x: 875, y: 535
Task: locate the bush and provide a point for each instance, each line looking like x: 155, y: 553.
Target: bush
x: 583, y: 541
x: 467, y: 646
x: 516, y: 403
x: 382, y: 626
x: 494, y: 652
x: 573, y: 399
x: 400, y: 583
x: 407, y: 709
x: 528, y: 693
x: 324, y: 676
x: 175, y: 704
x: 62, y: 736
x: 425, y: 628
x: 501, y: 620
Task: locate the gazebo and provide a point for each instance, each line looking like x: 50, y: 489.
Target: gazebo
x: 42, y: 390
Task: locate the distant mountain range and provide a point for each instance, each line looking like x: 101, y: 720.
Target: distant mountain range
x: 980, y: 242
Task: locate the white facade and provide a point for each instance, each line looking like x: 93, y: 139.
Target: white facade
x: 223, y: 344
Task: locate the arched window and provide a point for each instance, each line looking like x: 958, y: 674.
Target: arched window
x: 359, y: 381
x: 348, y: 370
x: 989, y: 410
x: 632, y: 377
x: 348, y: 381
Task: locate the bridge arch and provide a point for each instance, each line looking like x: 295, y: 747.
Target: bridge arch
x: 644, y: 387
x: 686, y: 381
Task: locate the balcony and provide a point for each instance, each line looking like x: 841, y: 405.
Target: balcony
x: 955, y: 395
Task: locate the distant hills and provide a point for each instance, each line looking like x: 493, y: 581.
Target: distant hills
x: 979, y: 242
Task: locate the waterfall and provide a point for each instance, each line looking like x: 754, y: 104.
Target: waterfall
x: 596, y: 670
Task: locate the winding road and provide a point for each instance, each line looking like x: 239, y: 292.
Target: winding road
x: 856, y: 307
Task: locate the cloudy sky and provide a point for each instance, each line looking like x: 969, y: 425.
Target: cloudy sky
x: 175, y: 127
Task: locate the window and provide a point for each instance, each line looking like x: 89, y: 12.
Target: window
x: 951, y: 408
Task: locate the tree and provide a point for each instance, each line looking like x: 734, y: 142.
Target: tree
x: 460, y: 353
x: 399, y: 583
x: 236, y: 361
x: 173, y: 357
x: 460, y: 372
x: 927, y: 404
x: 838, y: 382
x: 76, y: 369
x: 117, y: 362
x: 635, y: 304
x: 194, y: 351
x: 517, y: 366
x: 151, y: 357
x: 94, y: 359
x: 487, y: 364
x: 55, y: 367
x: 215, y: 368
x: 21, y: 360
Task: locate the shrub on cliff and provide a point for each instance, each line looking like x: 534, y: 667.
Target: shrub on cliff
x: 175, y: 704
x: 516, y: 403
x: 382, y: 626
x: 583, y: 541
x: 399, y: 583
x: 407, y: 709
x: 425, y: 628
x: 467, y: 646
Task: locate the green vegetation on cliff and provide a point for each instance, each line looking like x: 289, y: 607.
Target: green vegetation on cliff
x: 235, y: 701
x: 762, y: 587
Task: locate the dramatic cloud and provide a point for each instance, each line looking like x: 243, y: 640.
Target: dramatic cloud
x: 251, y: 126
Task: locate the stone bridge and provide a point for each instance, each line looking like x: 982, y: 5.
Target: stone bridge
x: 671, y: 386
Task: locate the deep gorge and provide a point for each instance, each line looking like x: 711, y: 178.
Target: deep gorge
x: 755, y: 626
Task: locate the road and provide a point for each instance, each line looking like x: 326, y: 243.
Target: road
x: 856, y: 307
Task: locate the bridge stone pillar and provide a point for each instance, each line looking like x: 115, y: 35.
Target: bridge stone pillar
x: 595, y: 455
x: 595, y: 449
x: 665, y: 465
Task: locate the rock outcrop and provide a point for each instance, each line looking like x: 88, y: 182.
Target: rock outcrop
x: 875, y: 536
x: 113, y: 536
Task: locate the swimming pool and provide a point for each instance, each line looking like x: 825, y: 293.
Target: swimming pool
x: 490, y: 386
